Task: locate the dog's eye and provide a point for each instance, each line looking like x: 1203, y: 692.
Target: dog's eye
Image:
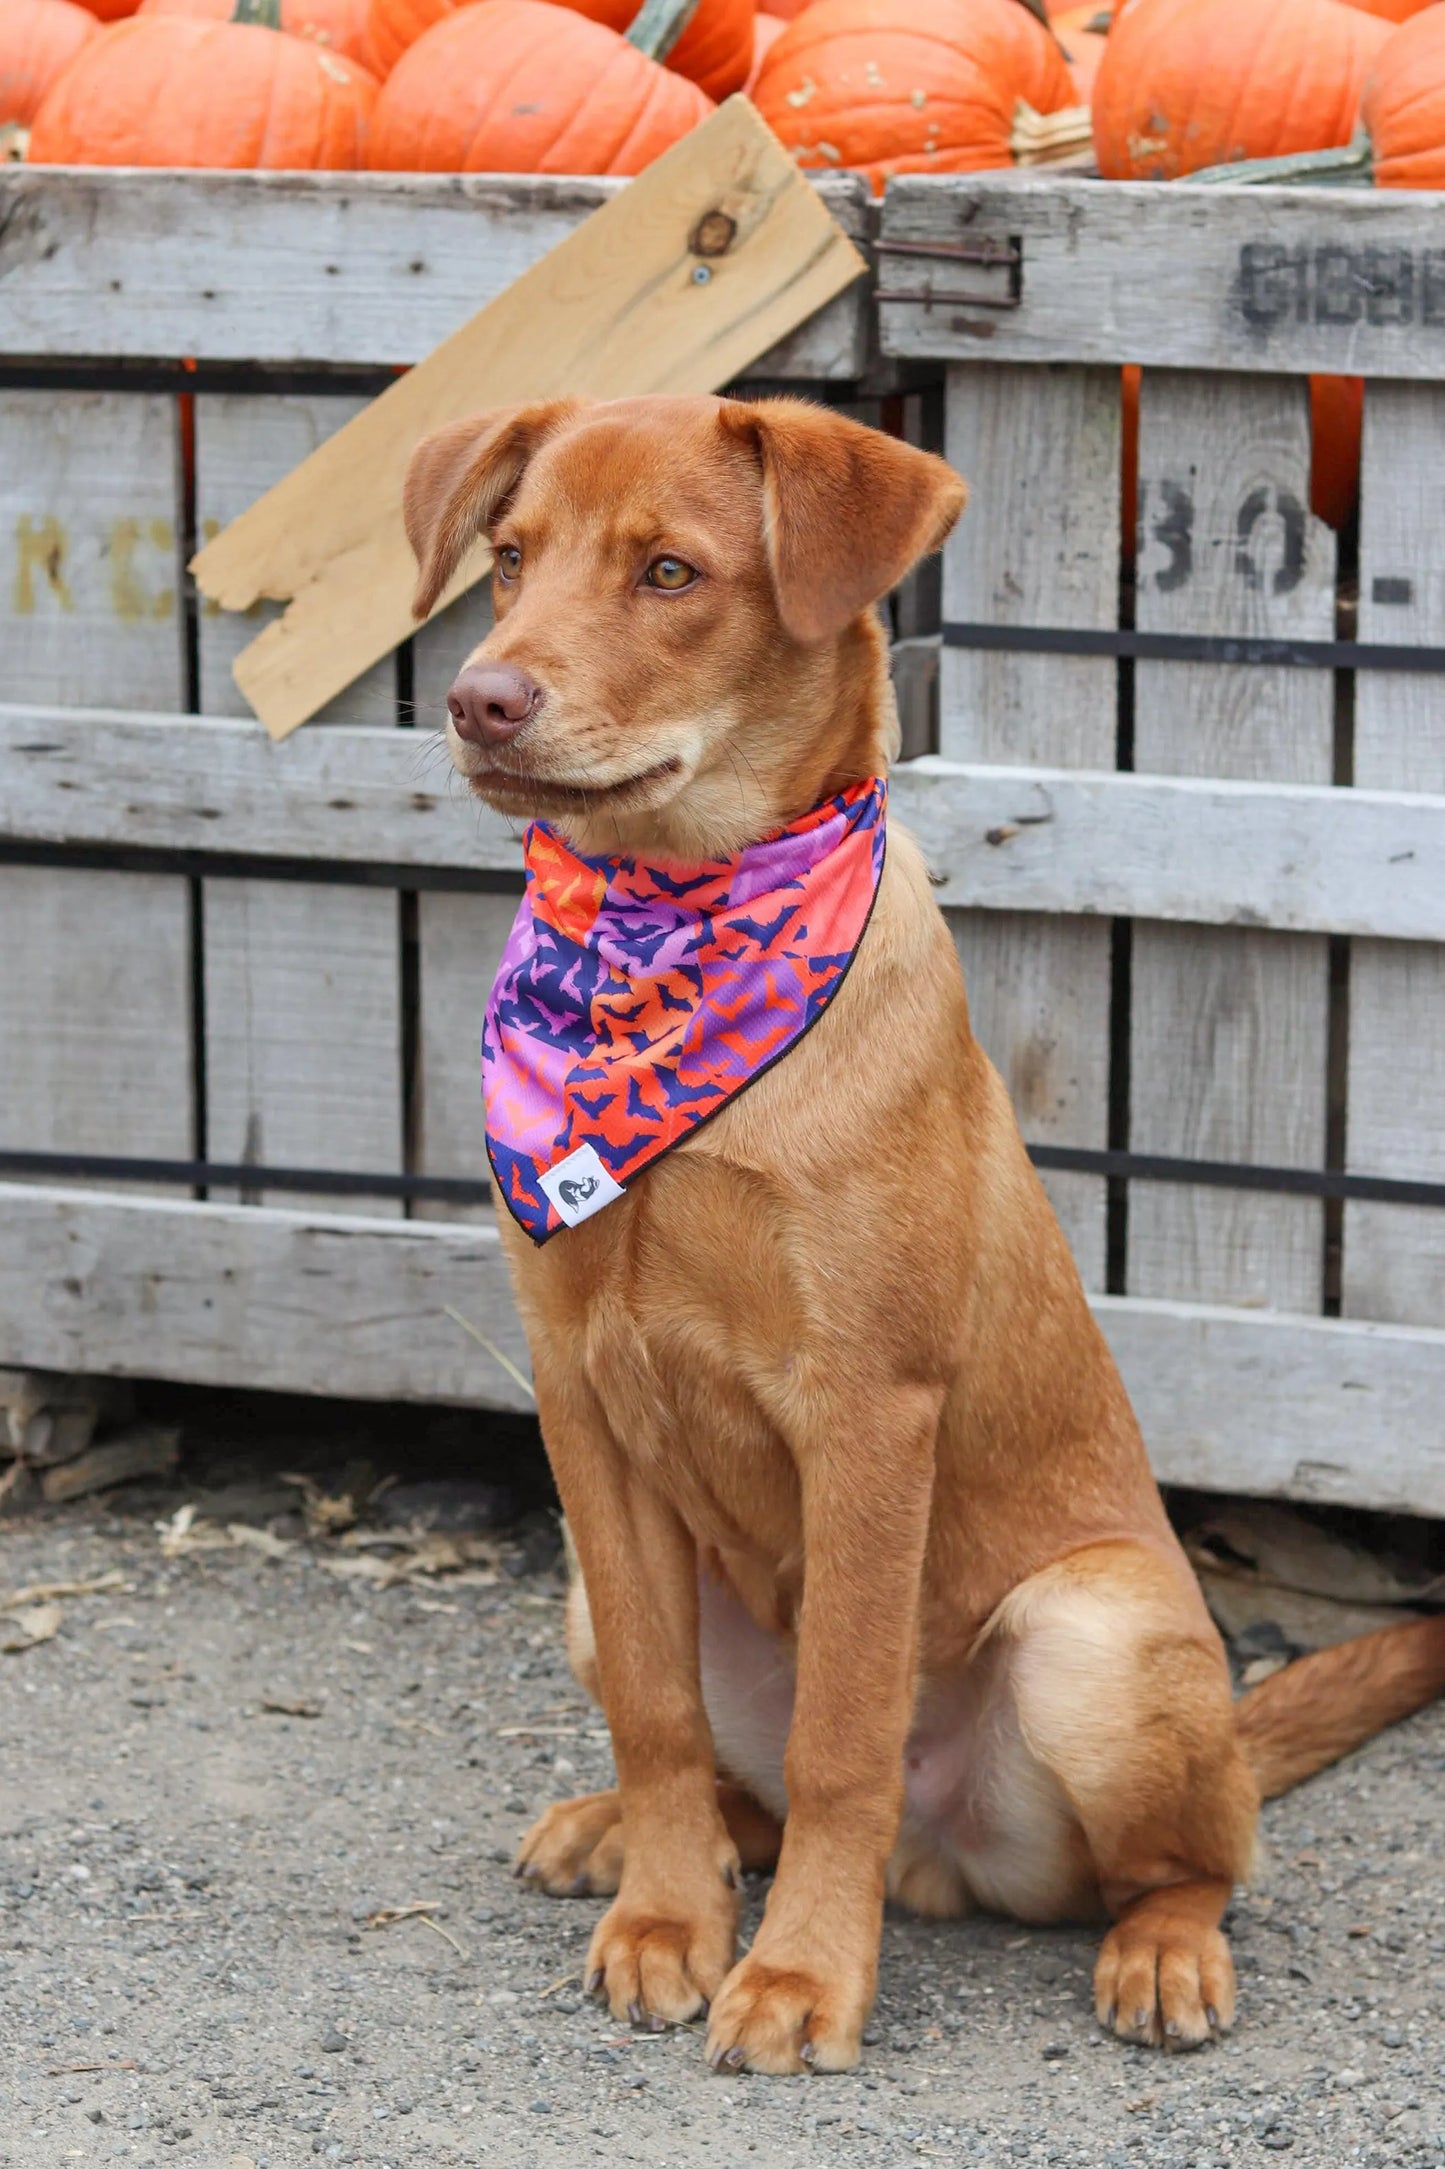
x: 671, y: 573
x: 509, y: 561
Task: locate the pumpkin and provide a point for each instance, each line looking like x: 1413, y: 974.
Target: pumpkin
x: 1390, y: 11
x: 110, y: 11
x: 785, y: 10
x: 1404, y: 105
x: 38, y: 41
x: 521, y: 86
x: 715, y: 50
x: 1185, y: 84
x: 166, y: 90
x: 890, y: 87
x: 1081, y: 31
x: 767, y: 29
x: 341, y: 24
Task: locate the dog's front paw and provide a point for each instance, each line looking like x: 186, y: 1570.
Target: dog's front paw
x: 659, y: 1968
x: 782, y: 2018
x: 1163, y: 1983
x: 574, y: 1850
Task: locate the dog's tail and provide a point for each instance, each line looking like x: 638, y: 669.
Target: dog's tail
x: 1307, y: 1715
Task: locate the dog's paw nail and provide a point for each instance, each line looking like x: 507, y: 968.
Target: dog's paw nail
x: 658, y: 2025
x: 636, y: 2013
x: 529, y: 1871
x: 1212, y: 2015
x: 736, y: 2058
x: 714, y: 2062
x: 1171, y: 2027
x: 579, y: 1885
x: 809, y: 2054
x: 730, y: 1876
x: 594, y: 1980
x: 1111, y: 2015
x: 1141, y: 2019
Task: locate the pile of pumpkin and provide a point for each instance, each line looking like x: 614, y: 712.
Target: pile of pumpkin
x: 1153, y: 89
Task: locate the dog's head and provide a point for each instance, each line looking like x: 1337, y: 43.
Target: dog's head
x: 685, y: 653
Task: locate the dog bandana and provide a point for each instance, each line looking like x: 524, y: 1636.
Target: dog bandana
x: 632, y: 1002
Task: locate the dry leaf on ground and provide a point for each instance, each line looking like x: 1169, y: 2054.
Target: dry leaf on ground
x: 42, y: 1592
x: 34, y: 1624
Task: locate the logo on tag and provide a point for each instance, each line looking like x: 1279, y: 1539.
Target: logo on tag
x: 579, y: 1186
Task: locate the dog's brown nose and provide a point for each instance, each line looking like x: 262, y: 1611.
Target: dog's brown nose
x: 490, y: 702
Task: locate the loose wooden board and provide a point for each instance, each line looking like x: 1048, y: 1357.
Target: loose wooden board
x: 622, y: 306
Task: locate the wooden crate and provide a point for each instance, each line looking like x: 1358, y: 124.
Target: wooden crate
x: 231, y: 953
x: 1236, y: 1085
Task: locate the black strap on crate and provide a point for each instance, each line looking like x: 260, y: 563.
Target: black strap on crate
x: 1130, y: 645
x: 1314, y: 1182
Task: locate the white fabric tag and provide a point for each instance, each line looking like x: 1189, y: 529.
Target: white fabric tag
x: 579, y: 1186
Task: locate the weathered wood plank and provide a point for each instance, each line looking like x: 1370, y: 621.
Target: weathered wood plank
x: 315, y: 267
x: 244, y: 444
x: 94, y: 968
x: 303, y: 999
x: 95, y: 1044
x: 1171, y: 275
x: 461, y: 939
x: 305, y: 1302
x: 1282, y: 1406
x: 230, y: 1294
x: 1228, y: 1030
x: 1211, y: 851
x: 1038, y: 544
x: 303, y: 1029
x: 1394, y: 1256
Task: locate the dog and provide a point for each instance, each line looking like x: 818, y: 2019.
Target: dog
x: 872, y: 1580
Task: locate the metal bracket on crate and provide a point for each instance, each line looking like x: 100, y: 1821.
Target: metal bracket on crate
x: 993, y: 255
x: 1126, y: 644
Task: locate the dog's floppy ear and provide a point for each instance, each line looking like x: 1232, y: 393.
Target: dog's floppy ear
x: 846, y: 510
x: 458, y: 479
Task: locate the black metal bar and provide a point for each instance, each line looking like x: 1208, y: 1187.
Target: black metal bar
x: 223, y: 1175
x: 1190, y: 647
x: 241, y: 865
x: 1320, y: 1182
x: 339, y: 1182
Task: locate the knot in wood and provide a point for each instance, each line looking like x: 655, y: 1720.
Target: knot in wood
x: 714, y: 234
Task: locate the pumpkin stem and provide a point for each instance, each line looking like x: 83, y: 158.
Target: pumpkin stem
x: 656, y: 27
x: 1351, y: 165
x: 265, y: 12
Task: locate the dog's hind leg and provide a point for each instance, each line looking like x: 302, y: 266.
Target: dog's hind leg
x: 1120, y: 1708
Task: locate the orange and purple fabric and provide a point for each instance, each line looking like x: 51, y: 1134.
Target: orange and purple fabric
x: 635, y: 1000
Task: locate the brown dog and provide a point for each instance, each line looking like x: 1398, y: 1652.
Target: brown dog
x: 875, y: 1583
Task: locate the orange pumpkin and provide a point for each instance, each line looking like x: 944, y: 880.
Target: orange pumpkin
x: 1185, y: 84
x: 521, y: 86
x: 1404, y: 105
x: 169, y: 91
x: 1390, y: 11
x: 341, y: 24
x: 785, y: 10
x: 767, y: 29
x: 38, y: 41
x: 891, y: 87
x: 1081, y: 31
x: 715, y: 51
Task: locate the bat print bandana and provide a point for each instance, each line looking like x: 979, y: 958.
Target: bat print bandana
x: 634, y: 1001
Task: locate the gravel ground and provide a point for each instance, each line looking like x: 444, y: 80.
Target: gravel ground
x: 186, y: 1877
